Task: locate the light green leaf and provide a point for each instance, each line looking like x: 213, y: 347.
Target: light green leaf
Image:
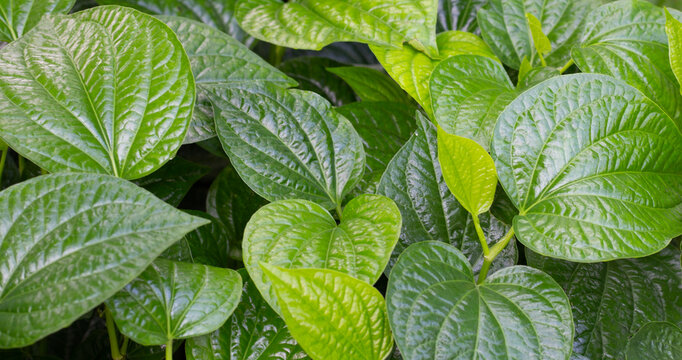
x: 594, y: 167
x: 540, y: 41
x: 218, y: 61
x: 504, y: 27
x: 371, y: 85
x: 437, y: 311
x: 458, y: 15
x: 524, y: 69
x: 17, y: 17
x: 321, y: 310
x: 173, y: 180
x: 207, y: 245
x: 656, y: 340
x: 58, y: 255
x: 468, y: 93
x: 312, y: 75
x: 612, y: 300
x: 536, y: 76
x: 289, y: 144
x: 175, y: 300
x: 254, y: 331
x: 627, y: 40
x: 117, y: 101
x: 673, y: 29
x: 301, y: 234
x: 307, y: 24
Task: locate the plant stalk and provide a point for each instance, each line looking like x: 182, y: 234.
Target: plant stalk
x: 2, y: 163
x: 567, y: 66
x: 494, y: 251
x: 124, y: 346
x: 169, y: 349
x: 111, y: 330
x: 338, y: 211
x: 276, y: 55
x: 481, y: 235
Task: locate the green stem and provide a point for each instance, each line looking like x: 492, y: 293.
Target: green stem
x: 169, y: 349
x: 338, y: 211
x: 566, y: 67
x: 111, y: 329
x: 542, y: 60
x: 22, y: 165
x: 494, y: 251
x: 2, y: 162
x: 276, y: 55
x: 481, y: 235
x: 124, y: 346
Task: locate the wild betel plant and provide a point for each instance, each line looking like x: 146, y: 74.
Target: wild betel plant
x: 358, y: 179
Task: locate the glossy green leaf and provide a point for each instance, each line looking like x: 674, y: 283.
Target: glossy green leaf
x: 594, y: 167
x: 302, y: 234
x: 414, y: 180
x: 17, y: 17
x: 306, y: 24
x: 541, y: 42
x: 458, y: 15
x: 74, y: 239
x: 208, y: 244
x: 627, y: 40
x: 656, y: 340
x: 505, y: 28
x: 172, y: 182
x: 289, y: 144
x: 612, y: 300
x: 468, y: 93
x: 371, y: 85
x: 175, y: 300
x: 437, y: 311
x: 536, y: 76
x: 254, y: 332
x: 321, y: 309
x: 218, y: 61
x: 117, y: 101
x: 412, y: 69
x: 312, y: 75
x: 673, y: 29
x: 384, y: 127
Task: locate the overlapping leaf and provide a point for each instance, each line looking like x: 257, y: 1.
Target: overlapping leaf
x: 371, y: 85
x: 458, y: 15
x: 17, y: 17
x: 656, y: 340
x: 172, y: 182
x: 208, y: 244
x: 312, y: 75
x: 673, y: 29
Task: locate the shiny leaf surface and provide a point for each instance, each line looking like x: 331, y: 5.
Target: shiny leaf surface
x: 656, y: 340
x: 312, y: 75
x: 172, y: 182
x: 208, y: 244
x: 459, y: 15
x: 673, y: 29
x: 371, y: 85
x: 17, y: 17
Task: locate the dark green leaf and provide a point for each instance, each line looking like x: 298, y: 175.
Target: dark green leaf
x: 371, y: 85
x: 207, y: 245
x: 311, y: 74
x: 656, y: 340
x: 172, y: 182
x: 458, y: 15
x: 17, y: 17
x: 343, y: 52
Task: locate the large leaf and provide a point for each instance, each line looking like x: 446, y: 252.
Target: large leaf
x: 207, y: 245
x: 458, y: 15
x: 594, y: 168
x: 17, y: 17
x: 311, y: 74
x: 74, y: 239
x: 175, y: 300
x: 627, y: 40
x: 172, y: 182
x: 117, y: 101
x: 384, y: 127
x: 412, y: 69
x: 436, y: 310
x: 673, y: 29
x: 289, y: 144
x: 656, y: 340
x: 302, y: 234
x: 308, y: 24
x: 218, y: 61
x: 468, y: 93
x: 414, y: 180
x: 505, y: 28
x: 371, y: 85
x: 332, y: 315
x: 254, y: 331
x: 612, y: 300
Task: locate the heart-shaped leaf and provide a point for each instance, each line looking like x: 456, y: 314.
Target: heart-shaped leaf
x: 17, y: 17
x: 656, y: 340
x: 312, y: 75
x: 117, y: 101
x: 611, y: 300
x: 458, y: 15
x: 59, y: 255
x: 673, y: 29
x: 172, y: 181
x: 302, y: 234
x: 332, y: 315
x: 289, y: 144
x: 371, y: 85
x: 208, y: 244
x: 436, y: 310
x: 175, y: 300
x: 594, y: 168
x: 254, y: 331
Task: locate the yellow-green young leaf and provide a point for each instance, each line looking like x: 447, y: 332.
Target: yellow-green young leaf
x: 468, y: 170
x: 333, y: 316
x: 524, y: 69
x: 540, y: 41
x: 674, y: 30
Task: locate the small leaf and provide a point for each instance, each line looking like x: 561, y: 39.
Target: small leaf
x: 312, y: 75
x: 301, y: 234
x: 436, y: 310
x: 321, y: 310
x: 371, y: 85
x: 656, y: 340
x: 459, y: 15
x: 172, y: 182
x: 105, y: 233
x: 540, y: 41
x: 17, y: 17
x: 175, y: 300
x: 673, y: 29
x: 536, y: 76
x: 524, y: 69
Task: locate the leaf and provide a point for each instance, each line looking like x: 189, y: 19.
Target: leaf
x: 436, y: 310
x: 312, y: 75
x: 302, y: 234
x: 384, y: 127
x: 254, y: 331
x: 414, y: 180
x: 412, y: 69
x: 17, y: 17
x: 93, y: 104
x: 172, y: 182
x: 468, y: 93
x: 306, y: 24
x: 289, y: 144
x: 342, y: 52
x: 656, y: 340
x: 208, y: 244
x: 218, y: 61
x: 673, y: 29
x: 175, y: 300
x: 536, y: 76
x: 627, y: 40
x: 540, y: 41
x: 371, y: 85
x: 321, y: 310
x: 611, y: 300
x: 505, y: 28
x: 458, y: 15
x: 57, y: 255
x: 594, y: 168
